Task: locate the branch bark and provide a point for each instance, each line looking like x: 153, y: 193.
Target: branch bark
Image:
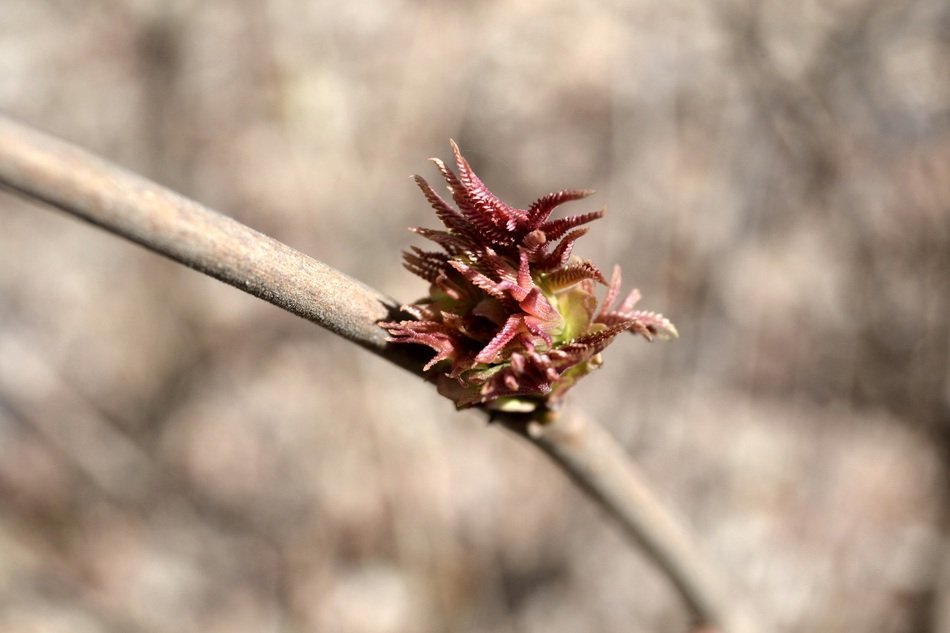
x: 594, y: 460
x: 43, y: 168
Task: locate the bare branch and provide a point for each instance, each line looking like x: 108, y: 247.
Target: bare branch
x: 63, y: 175
x: 599, y: 465
x: 43, y: 168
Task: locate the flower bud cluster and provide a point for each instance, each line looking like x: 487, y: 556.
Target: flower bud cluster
x: 511, y: 315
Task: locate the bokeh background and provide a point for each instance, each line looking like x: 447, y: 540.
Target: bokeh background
x: 177, y: 456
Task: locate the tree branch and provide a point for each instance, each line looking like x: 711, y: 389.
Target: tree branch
x: 44, y: 168
x: 50, y: 170
x: 594, y: 460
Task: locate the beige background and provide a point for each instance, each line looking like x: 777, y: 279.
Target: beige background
x: 177, y: 456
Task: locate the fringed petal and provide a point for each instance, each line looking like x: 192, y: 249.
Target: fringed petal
x: 508, y: 331
x: 452, y: 219
x: 556, y: 228
x: 541, y: 209
x: 563, y: 278
x: 426, y: 264
x: 500, y: 213
x: 512, y: 317
x: 613, y: 289
x: 562, y: 253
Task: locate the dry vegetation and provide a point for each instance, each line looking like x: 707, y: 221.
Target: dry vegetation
x: 175, y: 455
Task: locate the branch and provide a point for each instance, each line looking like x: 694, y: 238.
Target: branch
x: 44, y: 168
x: 47, y: 169
x: 594, y: 460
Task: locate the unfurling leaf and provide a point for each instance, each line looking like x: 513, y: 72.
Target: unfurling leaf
x: 511, y: 314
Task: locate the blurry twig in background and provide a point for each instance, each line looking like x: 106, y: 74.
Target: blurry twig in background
x: 46, y: 169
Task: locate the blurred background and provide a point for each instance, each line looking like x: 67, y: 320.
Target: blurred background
x: 177, y: 456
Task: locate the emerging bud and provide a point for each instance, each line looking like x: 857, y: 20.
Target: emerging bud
x: 511, y: 315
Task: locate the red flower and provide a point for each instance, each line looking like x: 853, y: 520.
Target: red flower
x: 511, y: 314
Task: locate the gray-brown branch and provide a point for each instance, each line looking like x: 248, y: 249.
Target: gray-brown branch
x: 594, y: 460
x: 44, y: 168
x: 41, y: 167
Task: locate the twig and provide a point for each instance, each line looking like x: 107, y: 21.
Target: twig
x: 44, y: 168
x: 48, y: 169
x: 598, y: 465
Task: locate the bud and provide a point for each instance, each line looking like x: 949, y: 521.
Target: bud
x: 511, y: 314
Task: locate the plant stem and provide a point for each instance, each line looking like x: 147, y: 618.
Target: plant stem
x: 598, y: 464
x: 41, y: 167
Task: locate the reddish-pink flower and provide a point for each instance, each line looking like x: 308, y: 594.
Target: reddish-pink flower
x: 511, y: 314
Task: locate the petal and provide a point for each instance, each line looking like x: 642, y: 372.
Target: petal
x: 508, y: 331
x: 541, y: 209
x: 557, y: 228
